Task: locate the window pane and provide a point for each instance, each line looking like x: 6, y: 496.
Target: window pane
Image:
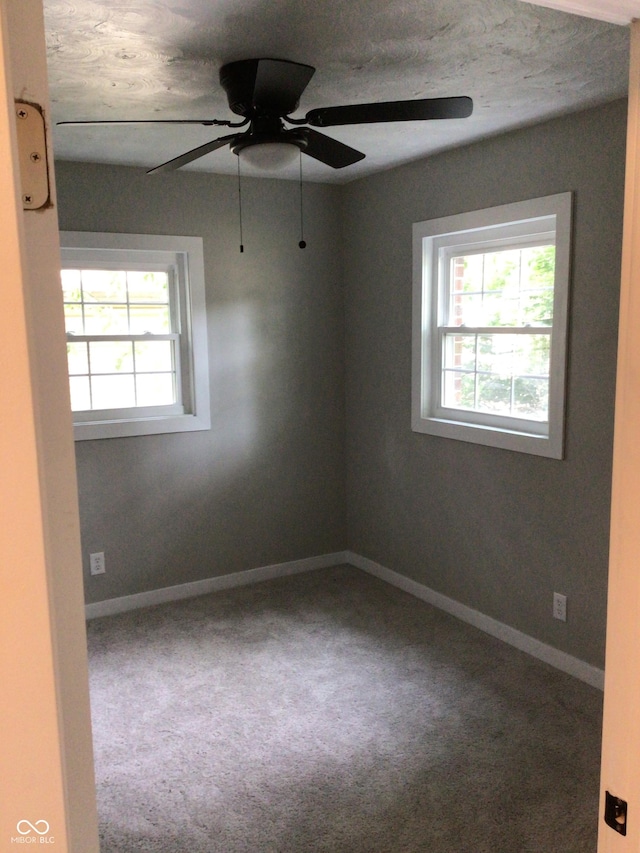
x: 467, y: 272
x: 532, y: 354
x: 106, y: 319
x: 71, y: 285
x: 113, y: 392
x: 537, y: 305
x: 511, y: 287
x: 80, y: 393
x: 104, y: 285
x: 148, y: 286
x: 458, y: 390
x: 111, y: 356
x: 531, y: 398
x: 502, y: 271
x: 154, y: 356
x: 500, y: 309
x: 155, y: 389
x: 154, y: 319
x: 74, y: 322
x: 460, y: 351
x: 107, y: 295
x: 495, y: 353
x: 494, y: 393
x: 467, y: 310
x: 77, y: 358
x: 499, y: 374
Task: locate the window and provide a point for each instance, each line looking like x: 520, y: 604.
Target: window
x: 490, y: 324
x: 136, y: 333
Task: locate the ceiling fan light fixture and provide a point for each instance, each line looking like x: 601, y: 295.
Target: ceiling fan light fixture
x: 268, y: 156
x: 266, y: 91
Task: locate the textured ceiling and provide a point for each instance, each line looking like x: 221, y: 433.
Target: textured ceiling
x: 150, y: 59
x: 614, y: 11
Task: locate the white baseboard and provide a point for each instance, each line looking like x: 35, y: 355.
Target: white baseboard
x: 190, y: 590
x: 560, y: 660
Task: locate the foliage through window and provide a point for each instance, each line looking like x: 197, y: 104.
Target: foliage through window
x: 134, y: 313
x: 490, y: 307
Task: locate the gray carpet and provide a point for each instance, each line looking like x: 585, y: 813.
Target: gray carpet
x: 331, y: 713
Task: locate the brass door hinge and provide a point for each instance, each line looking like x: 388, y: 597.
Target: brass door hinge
x: 32, y: 148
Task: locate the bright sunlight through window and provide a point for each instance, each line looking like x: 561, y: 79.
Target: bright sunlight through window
x: 490, y: 308
x: 121, y: 345
x: 134, y: 343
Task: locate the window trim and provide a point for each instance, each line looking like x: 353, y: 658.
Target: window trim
x: 500, y: 224
x: 187, y: 253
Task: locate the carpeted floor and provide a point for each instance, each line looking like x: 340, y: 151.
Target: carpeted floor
x: 331, y: 713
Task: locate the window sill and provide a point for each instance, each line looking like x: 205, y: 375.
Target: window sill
x: 88, y: 430
x: 491, y: 436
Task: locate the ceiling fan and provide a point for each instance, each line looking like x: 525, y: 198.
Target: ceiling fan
x: 266, y: 91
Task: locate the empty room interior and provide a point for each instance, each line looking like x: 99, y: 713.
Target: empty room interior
x: 324, y: 612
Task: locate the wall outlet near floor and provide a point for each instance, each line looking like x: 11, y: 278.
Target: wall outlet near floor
x: 560, y: 606
x: 96, y: 563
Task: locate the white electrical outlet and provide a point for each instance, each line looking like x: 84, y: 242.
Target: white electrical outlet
x: 96, y: 563
x: 560, y: 606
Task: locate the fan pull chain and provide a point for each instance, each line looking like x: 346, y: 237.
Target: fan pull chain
x: 240, y: 205
x: 302, y: 242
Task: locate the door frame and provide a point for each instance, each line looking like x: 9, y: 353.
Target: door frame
x: 47, y: 787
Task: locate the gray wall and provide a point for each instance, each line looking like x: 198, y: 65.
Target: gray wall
x: 293, y: 333
x: 266, y: 483
x: 496, y: 530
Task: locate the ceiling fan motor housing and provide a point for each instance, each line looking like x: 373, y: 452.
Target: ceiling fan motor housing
x: 266, y: 91
x: 270, y: 87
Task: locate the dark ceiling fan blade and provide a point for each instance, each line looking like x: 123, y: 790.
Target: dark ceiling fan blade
x: 327, y: 150
x: 268, y: 86
x: 189, y: 156
x: 420, y: 110
x: 207, y: 122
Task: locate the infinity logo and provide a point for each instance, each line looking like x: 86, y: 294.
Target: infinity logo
x: 40, y: 826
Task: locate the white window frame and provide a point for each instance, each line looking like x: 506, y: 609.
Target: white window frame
x: 183, y: 257
x: 547, y: 218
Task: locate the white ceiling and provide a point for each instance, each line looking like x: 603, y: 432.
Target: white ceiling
x: 150, y: 59
x: 614, y: 11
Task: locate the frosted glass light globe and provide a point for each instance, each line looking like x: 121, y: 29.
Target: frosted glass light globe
x: 269, y: 155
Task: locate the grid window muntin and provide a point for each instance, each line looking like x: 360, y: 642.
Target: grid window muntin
x: 508, y: 390
x: 181, y: 260
x: 126, y: 312
x: 525, y: 224
x: 453, y: 329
